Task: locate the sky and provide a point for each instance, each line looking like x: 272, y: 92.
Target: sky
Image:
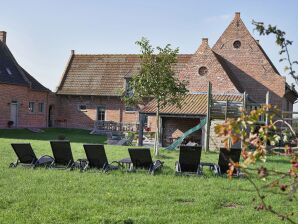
x: 42, y: 33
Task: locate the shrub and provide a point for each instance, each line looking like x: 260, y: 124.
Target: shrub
x: 10, y: 124
x: 61, y: 137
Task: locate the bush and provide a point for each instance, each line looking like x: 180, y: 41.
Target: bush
x: 61, y: 137
x: 10, y: 124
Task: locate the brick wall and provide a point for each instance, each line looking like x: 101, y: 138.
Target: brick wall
x: 205, y: 57
x: 216, y: 142
x: 175, y: 127
x: 250, y: 64
x: 23, y: 96
x: 68, y: 109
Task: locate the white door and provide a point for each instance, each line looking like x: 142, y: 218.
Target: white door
x: 14, y: 113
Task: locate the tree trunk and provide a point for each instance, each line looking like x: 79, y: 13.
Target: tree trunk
x: 156, y: 143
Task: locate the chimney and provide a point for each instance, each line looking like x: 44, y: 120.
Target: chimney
x: 203, y: 46
x: 237, y: 15
x: 3, y: 36
x: 72, y: 52
x: 205, y: 41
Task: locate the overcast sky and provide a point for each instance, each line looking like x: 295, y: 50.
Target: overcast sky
x: 42, y: 33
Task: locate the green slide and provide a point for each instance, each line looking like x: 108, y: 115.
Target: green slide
x: 187, y: 133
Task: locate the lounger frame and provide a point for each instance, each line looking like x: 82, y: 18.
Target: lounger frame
x: 63, y: 158
x: 189, y: 160
x: 141, y: 159
x: 97, y: 158
x: 28, y: 159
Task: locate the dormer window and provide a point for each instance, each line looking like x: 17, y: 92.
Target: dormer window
x: 237, y: 44
x: 82, y: 107
x: 8, y: 71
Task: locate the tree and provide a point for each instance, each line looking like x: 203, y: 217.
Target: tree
x: 156, y: 80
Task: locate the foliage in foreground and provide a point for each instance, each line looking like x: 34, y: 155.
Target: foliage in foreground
x: 283, y: 43
x: 255, y: 138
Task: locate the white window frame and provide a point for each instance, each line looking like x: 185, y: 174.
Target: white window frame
x: 31, y: 106
x: 134, y: 109
x: 101, y: 109
x: 41, y: 106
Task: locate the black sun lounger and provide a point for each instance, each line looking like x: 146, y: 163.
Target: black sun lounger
x: 189, y: 160
x: 225, y: 157
x: 97, y: 158
x: 62, y: 155
x: 141, y: 159
x: 27, y: 157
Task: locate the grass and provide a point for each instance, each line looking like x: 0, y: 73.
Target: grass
x: 60, y: 196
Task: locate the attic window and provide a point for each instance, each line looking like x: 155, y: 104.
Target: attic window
x: 8, y: 71
x: 237, y: 44
x: 203, y: 70
x: 82, y: 107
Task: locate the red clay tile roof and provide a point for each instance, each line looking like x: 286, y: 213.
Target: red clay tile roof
x: 192, y: 104
x: 103, y: 74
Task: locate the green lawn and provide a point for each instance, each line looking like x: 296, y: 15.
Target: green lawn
x: 60, y: 196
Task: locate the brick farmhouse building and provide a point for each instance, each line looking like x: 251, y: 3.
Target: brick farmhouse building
x: 89, y: 89
x: 23, y: 100
x: 91, y: 84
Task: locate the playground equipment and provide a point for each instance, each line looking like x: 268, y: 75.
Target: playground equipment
x: 187, y: 133
x: 221, y: 107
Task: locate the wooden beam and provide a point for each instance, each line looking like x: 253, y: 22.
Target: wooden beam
x: 267, y: 102
x: 244, y: 101
x: 226, y: 111
x: 141, y: 129
x: 208, y: 117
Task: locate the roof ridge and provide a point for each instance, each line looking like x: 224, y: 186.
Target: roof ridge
x: 215, y: 94
x: 25, y: 78
x: 64, y: 74
x: 7, y: 51
x: 43, y: 88
x: 236, y: 19
x: 122, y: 54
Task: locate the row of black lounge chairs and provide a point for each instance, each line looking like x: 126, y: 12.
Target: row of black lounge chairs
x: 140, y: 158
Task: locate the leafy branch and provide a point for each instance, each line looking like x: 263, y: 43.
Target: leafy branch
x: 255, y: 137
x: 283, y: 42
x: 265, y: 206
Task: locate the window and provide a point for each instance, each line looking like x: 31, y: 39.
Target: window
x: 31, y: 107
x: 130, y: 109
x: 41, y: 107
x: 146, y: 121
x: 237, y: 44
x: 128, y: 88
x: 82, y: 107
x: 101, y: 113
x: 203, y: 70
x: 8, y: 71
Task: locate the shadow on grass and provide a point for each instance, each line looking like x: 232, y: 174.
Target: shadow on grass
x: 74, y: 135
